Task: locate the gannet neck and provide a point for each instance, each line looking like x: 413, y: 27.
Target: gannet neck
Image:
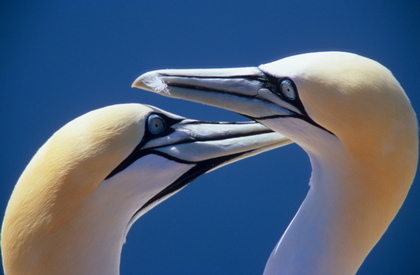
x: 338, y: 223
x: 355, y: 193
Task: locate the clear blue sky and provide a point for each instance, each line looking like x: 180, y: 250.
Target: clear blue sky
x: 60, y: 59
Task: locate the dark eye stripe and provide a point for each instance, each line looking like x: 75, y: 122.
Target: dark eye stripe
x: 148, y: 135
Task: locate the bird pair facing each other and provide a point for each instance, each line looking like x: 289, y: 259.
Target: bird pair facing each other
x: 347, y: 112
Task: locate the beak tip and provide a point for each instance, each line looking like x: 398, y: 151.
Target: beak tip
x: 151, y: 82
x: 136, y: 83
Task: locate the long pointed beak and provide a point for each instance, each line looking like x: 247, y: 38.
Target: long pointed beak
x: 243, y: 90
x: 195, y: 141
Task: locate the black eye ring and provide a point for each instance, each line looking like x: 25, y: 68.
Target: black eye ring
x: 287, y: 89
x: 156, y: 124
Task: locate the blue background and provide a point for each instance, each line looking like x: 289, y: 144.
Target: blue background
x: 60, y: 59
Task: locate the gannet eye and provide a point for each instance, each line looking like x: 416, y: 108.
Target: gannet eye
x: 156, y: 124
x: 287, y: 89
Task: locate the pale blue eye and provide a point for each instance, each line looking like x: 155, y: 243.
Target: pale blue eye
x: 156, y: 124
x: 287, y: 89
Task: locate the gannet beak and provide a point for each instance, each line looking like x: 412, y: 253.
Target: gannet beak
x: 195, y: 141
x: 246, y: 91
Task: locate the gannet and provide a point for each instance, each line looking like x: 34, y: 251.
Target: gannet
x: 73, y: 205
x: 358, y: 127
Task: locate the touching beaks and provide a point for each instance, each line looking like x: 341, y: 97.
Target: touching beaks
x: 192, y: 141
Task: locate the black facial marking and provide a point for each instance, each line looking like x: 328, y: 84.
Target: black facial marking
x: 199, y: 169
x: 273, y: 84
x: 148, y: 135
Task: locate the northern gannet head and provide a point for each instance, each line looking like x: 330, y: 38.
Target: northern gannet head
x: 77, y: 198
x: 347, y: 112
